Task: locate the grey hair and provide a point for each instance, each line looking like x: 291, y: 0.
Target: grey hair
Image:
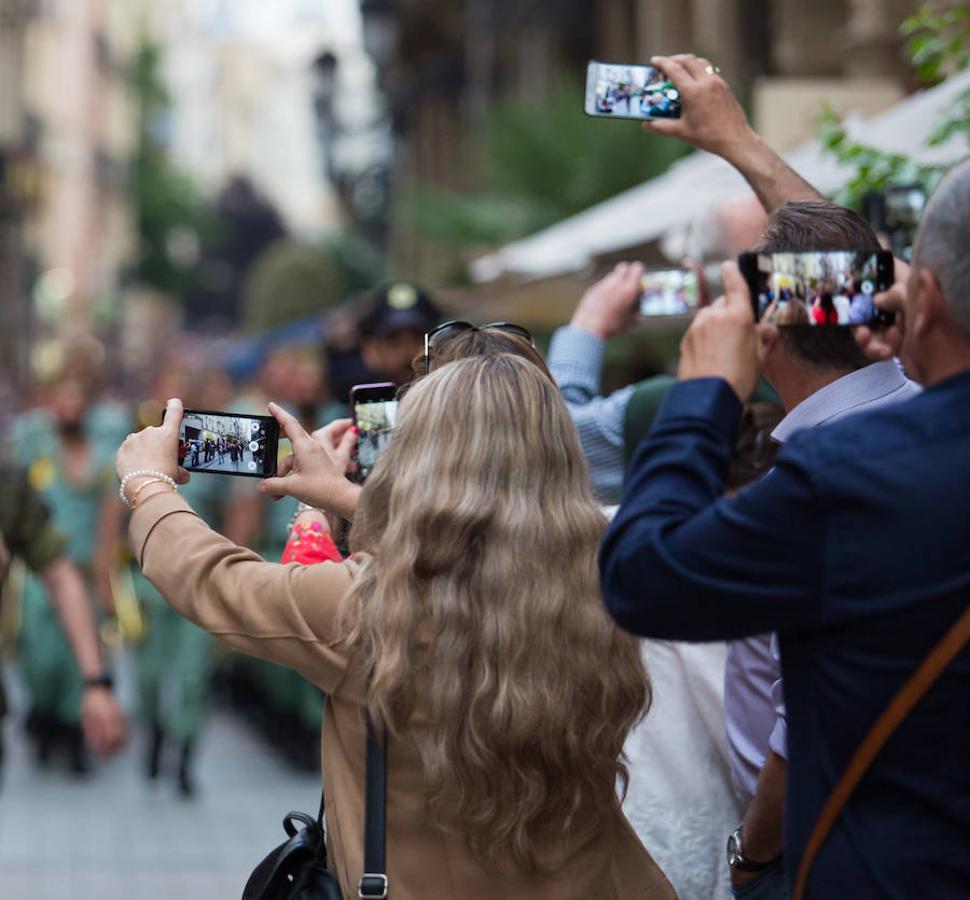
x: 943, y: 244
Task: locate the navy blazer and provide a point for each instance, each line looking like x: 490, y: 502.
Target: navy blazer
x: 856, y: 549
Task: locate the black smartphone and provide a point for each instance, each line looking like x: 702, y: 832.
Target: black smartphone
x: 669, y: 292
x: 826, y: 287
x: 228, y: 444
x: 628, y: 91
x: 375, y: 414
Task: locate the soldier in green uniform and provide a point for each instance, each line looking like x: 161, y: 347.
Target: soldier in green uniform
x: 26, y: 532
x: 66, y: 447
x: 173, y: 662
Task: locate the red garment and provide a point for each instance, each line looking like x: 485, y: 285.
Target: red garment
x: 310, y: 543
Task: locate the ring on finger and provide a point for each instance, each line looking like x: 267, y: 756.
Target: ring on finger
x: 713, y: 70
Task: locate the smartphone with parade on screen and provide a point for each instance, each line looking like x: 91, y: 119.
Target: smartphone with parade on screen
x: 225, y: 443
x: 375, y: 415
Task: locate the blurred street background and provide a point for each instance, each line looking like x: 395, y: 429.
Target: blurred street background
x: 200, y: 197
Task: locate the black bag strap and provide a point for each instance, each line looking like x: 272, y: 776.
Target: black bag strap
x: 373, y: 883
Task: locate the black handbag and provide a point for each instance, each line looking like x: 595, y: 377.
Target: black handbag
x: 298, y: 870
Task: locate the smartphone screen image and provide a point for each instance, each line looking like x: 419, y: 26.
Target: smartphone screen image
x: 228, y: 444
x: 818, y: 288
x: 668, y: 292
x: 375, y: 415
x: 627, y: 91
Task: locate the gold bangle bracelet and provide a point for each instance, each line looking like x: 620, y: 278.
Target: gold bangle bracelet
x: 155, y: 494
x: 134, y: 497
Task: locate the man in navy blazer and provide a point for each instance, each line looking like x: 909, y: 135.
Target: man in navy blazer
x: 855, y: 549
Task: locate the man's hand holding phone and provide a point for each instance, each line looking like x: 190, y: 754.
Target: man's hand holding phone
x: 609, y: 307
x: 315, y: 471
x: 723, y: 340
x: 711, y: 118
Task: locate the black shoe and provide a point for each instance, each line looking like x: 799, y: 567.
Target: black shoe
x: 155, y: 752
x: 186, y: 784
x: 77, y: 753
x: 41, y: 728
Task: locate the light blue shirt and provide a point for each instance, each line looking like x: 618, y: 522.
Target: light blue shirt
x: 754, y: 706
x: 575, y: 361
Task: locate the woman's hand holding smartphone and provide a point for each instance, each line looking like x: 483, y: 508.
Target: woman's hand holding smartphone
x: 313, y: 473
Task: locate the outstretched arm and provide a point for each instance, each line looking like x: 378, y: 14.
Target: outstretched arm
x: 712, y: 120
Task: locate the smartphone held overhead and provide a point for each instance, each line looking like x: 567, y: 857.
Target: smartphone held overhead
x: 822, y: 288
x: 227, y: 444
x: 628, y: 91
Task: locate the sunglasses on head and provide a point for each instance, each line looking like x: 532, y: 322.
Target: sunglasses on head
x: 447, y: 330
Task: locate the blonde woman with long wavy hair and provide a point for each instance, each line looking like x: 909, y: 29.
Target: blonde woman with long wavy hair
x: 468, y: 622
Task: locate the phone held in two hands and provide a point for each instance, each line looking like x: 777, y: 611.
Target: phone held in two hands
x: 628, y: 91
x: 835, y: 287
x: 228, y: 444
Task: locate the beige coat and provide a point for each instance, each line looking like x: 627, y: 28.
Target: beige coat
x: 287, y: 614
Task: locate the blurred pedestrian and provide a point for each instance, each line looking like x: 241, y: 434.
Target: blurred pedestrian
x: 65, y: 446
x: 392, y: 330
x: 27, y: 533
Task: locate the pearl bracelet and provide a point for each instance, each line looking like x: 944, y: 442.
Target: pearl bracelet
x: 153, y: 472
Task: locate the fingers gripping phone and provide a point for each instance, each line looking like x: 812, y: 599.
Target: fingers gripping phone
x: 820, y: 288
x: 375, y: 415
x: 669, y: 292
x: 627, y: 91
x: 228, y: 444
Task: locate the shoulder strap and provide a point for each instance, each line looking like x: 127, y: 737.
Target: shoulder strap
x: 902, y: 704
x: 373, y: 883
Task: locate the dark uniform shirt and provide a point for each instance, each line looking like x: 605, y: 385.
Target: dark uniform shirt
x: 25, y: 523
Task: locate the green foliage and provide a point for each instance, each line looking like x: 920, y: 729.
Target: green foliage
x: 168, y: 208
x: 938, y: 45
x: 291, y: 281
x: 938, y: 41
x: 874, y: 169
x: 538, y: 162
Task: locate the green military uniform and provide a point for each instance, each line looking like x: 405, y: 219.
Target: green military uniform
x: 48, y: 666
x: 173, y: 661
x: 26, y: 526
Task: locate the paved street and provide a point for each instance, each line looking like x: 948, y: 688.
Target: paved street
x: 115, y: 837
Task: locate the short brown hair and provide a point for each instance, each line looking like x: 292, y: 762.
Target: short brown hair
x: 819, y: 225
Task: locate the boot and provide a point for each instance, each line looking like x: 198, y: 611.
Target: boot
x: 156, y: 742
x: 40, y: 728
x: 77, y: 753
x: 186, y: 784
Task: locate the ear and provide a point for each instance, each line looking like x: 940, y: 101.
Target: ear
x: 928, y: 306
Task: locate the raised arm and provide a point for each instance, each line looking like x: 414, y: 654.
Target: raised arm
x: 712, y: 120
x: 285, y: 614
x: 576, y: 354
x: 681, y: 561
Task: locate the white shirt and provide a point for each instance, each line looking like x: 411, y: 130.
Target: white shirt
x: 754, y: 707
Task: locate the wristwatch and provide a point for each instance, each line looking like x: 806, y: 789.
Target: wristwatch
x: 104, y: 680
x: 737, y: 859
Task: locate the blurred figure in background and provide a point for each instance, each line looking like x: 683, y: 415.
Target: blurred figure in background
x: 26, y: 532
x: 393, y: 328
x: 278, y: 700
x: 173, y: 661
x: 65, y: 445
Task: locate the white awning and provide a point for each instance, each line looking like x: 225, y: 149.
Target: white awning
x: 692, y: 185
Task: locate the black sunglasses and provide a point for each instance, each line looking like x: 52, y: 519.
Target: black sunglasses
x: 452, y: 329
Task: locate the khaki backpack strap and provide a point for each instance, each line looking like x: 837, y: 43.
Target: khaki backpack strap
x: 900, y: 707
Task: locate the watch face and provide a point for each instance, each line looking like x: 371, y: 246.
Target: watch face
x: 733, y: 856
